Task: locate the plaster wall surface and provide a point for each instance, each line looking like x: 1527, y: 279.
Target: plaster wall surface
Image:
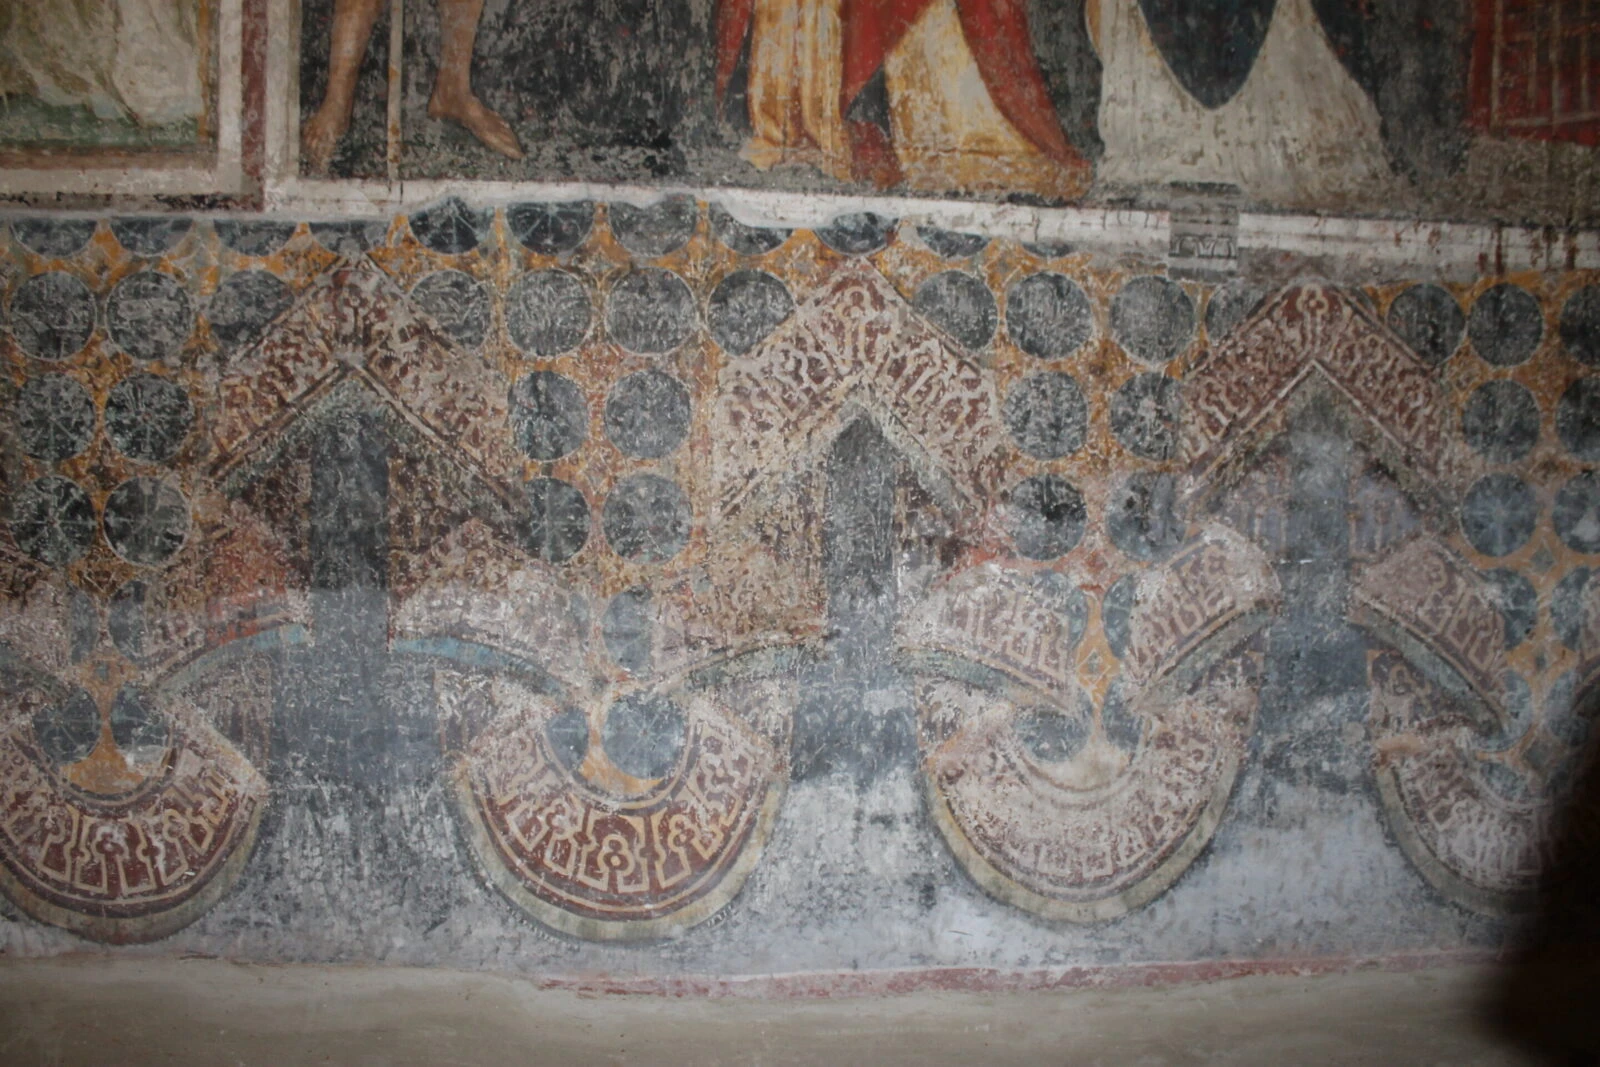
x: 205, y: 1012
x: 576, y: 588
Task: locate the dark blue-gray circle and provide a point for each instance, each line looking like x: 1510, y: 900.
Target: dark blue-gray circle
x: 646, y: 518
x: 54, y: 417
x: 1144, y: 415
x: 1121, y: 726
x: 146, y: 520
x: 628, y: 629
x: 244, y: 306
x: 127, y: 619
x: 1049, y: 249
x: 1429, y: 320
x: 1052, y: 734
x: 52, y: 520
x: 1152, y: 318
x: 644, y: 734
x: 558, y: 523
x: 650, y: 311
x: 662, y: 227
x: 254, y: 237
x: 350, y: 237
x: 451, y: 227
x: 746, y: 240
x: 54, y: 237
x: 150, y: 315
x: 1047, y: 516
x: 1580, y: 325
x: 148, y: 417
x: 1516, y: 600
x: 52, y: 316
x: 1505, y: 325
x: 1501, y: 421
x: 1116, y: 608
x: 150, y: 235
x: 1517, y: 703
x: 1499, y: 514
x: 549, y: 417
x: 1576, y: 515
x: 1142, y: 516
x: 1047, y: 415
x: 857, y: 234
x: 1564, y: 716
x: 137, y: 725
x: 551, y: 229
x: 647, y: 414
x: 960, y: 305
x: 68, y: 729
x: 568, y: 734
x: 745, y: 307
x: 1230, y: 305
x: 951, y: 245
x: 458, y: 302
x: 1048, y: 316
x: 1568, y: 607
x: 548, y: 312
x: 1578, y: 418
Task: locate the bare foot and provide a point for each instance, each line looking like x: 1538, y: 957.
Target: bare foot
x: 321, y: 134
x: 482, y: 123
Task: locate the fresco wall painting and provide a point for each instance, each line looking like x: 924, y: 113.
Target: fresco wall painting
x: 1285, y: 104
x: 94, y: 97
x: 645, y: 469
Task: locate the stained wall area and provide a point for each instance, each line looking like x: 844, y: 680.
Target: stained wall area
x: 1484, y: 109
x: 584, y: 587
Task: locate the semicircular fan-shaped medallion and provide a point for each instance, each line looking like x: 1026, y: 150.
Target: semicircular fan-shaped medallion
x: 131, y: 781
x: 1069, y: 811
x: 1471, y: 763
x: 616, y: 781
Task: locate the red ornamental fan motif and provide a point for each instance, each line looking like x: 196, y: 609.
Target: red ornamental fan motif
x: 130, y: 792
x: 131, y: 866
x: 1473, y: 811
x: 1109, y: 827
x: 607, y: 805
x: 623, y: 860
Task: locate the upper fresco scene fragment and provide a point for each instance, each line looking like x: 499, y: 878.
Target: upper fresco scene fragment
x: 1450, y: 108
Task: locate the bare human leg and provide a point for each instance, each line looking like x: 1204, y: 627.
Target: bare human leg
x: 453, y: 97
x: 352, y: 28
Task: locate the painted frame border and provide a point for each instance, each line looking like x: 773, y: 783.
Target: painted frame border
x: 159, y: 173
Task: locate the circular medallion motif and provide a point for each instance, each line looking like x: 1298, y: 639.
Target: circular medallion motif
x: 54, y: 417
x: 745, y: 307
x: 1047, y: 516
x: 558, y: 524
x: 647, y: 414
x: 52, y: 316
x: 646, y: 518
x: 1506, y: 325
x: 52, y: 520
x: 1047, y: 415
x: 549, y: 417
x: 1429, y: 320
x: 1152, y: 318
x: 1048, y: 316
x: 1499, y: 514
x: 960, y: 305
x: 650, y: 311
x: 548, y: 312
x: 148, y: 418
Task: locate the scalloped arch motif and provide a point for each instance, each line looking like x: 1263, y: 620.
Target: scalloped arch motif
x: 1139, y: 646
